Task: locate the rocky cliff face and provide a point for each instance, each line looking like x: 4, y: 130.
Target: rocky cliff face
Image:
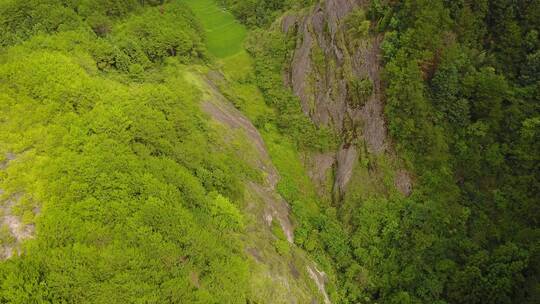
x: 292, y: 277
x: 337, y: 78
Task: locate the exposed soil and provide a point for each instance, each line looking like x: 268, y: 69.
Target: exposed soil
x: 294, y: 271
x: 9, y: 157
x: 15, y: 227
x: 254, y: 252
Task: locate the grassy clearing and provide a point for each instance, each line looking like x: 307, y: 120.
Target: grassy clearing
x: 225, y: 35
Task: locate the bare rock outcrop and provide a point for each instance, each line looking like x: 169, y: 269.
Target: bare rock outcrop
x: 320, y: 280
x: 5, y: 163
x: 266, y: 206
x: 276, y: 207
x: 403, y: 182
x: 13, y: 231
x: 323, y: 70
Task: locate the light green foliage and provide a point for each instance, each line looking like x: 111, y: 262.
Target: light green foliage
x: 140, y: 200
x: 262, y: 12
x: 6, y: 238
x: 135, y: 188
x: 21, y: 19
x: 242, y: 90
x: 224, y: 35
x: 159, y: 32
x: 281, y: 244
x: 318, y: 58
x: 142, y: 40
x: 150, y: 37
x: 226, y: 214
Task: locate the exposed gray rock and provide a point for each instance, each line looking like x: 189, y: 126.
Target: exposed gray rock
x: 323, y: 87
x: 301, y: 66
x: 318, y: 167
x: 275, y: 206
x: 223, y: 111
x: 336, y: 10
x: 266, y: 206
x: 288, y: 23
x: 367, y: 63
x: 320, y: 280
x: 346, y: 159
x: 15, y: 227
x: 403, y: 182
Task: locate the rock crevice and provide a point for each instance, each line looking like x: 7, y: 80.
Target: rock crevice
x: 323, y: 72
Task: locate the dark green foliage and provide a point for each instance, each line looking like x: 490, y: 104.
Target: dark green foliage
x: 412, y: 114
x: 357, y: 25
x: 140, y: 198
x: 461, y: 86
x: 458, y: 109
x: 360, y: 90
x: 270, y: 49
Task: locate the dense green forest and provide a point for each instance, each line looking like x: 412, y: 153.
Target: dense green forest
x: 159, y: 151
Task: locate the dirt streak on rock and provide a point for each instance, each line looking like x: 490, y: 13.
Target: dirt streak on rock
x: 275, y: 208
x: 223, y: 111
x: 320, y: 280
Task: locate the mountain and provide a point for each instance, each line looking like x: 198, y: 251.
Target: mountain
x: 283, y: 151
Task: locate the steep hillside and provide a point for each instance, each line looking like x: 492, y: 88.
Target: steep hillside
x: 127, y: 175
x: 269, y: 151
x: 335, y: 71
x: 432, y: 104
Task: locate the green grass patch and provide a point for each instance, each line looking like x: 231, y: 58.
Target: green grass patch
x: 224, y: 34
